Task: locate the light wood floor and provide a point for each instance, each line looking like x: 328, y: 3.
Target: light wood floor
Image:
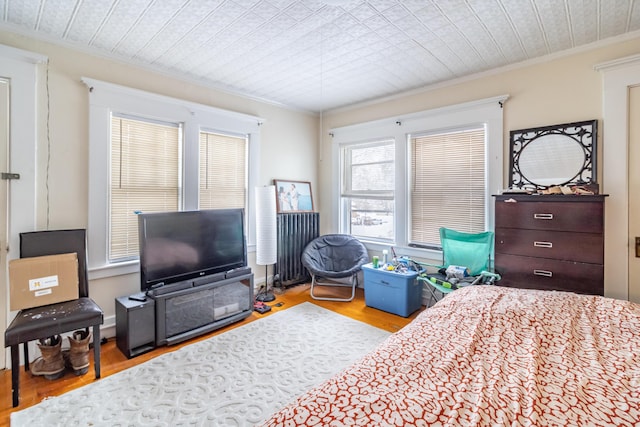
x: 34, y: 389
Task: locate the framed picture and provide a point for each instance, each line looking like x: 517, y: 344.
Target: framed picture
x: 293, y: 196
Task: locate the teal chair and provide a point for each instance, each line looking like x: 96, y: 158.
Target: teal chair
x: 470, y: 250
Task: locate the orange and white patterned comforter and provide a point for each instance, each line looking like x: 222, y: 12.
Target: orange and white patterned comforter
x: 489, y: 356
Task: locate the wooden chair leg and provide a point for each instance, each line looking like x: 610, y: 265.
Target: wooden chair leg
x: 26, y: 355
x: 15, y: 374
x: 96, y: 349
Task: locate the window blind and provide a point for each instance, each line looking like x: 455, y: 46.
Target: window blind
x: 145, y: 177
x: 223, y: 171
x: 447, y: 184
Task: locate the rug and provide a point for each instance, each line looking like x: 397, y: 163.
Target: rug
x: 237, y: 378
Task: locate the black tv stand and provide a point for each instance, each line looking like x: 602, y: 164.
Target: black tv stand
x: 194, y: 307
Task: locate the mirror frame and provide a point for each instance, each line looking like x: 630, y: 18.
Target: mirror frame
x: 584, y: 133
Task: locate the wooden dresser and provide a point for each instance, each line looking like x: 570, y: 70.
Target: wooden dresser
x: 551, y: 242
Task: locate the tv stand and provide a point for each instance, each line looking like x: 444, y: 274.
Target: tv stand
x: 194, y: 307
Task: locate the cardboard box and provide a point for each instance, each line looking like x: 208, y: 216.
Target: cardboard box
x: 44, y: 280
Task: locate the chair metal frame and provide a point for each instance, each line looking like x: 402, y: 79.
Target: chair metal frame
x: 318, y: 281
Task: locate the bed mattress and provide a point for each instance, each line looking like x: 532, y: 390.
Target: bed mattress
x: 490, y: 355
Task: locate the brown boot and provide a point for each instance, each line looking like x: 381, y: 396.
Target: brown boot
x: 78, y: 356
x: 50, y: 364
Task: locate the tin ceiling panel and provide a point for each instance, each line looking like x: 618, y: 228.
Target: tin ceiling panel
x: 316, y: 55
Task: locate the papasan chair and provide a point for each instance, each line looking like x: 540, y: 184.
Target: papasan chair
x: 334, y: 260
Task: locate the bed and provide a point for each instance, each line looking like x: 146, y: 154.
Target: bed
x: 490, y: 355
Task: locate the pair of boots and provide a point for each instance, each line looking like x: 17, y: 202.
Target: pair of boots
x: 53, y: 360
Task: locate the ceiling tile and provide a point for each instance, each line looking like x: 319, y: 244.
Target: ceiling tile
x: 24, y: 14
x: 614, y: 17
x: 321, y: 54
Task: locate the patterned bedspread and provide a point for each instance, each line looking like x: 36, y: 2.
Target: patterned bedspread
x: 492, y: 356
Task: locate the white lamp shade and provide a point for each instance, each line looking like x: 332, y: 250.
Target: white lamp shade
x: 266, y: 240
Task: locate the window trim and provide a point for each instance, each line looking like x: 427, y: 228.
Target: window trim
x: 105, y: 98
x: 487, y: 112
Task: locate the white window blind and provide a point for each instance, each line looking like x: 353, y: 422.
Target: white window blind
x: 447, y: 184
x: 145, y: 177
x: 223, y: 171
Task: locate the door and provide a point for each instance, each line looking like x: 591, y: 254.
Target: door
x: 18, y: 124
x: 4, y: 144
x: 634, y: 192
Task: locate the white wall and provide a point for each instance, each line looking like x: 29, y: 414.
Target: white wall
x: 560, y: 89
x: 288, y: 141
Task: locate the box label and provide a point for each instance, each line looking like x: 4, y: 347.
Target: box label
x: 43, y: 283
x: 43, y: 292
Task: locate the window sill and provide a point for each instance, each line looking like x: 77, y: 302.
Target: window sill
x: 419, y: 254
x: 112, y: 270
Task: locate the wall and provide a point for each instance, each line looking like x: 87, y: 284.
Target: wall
x: 556, y: 90
x: 560, y: 89
x: 288, y: 140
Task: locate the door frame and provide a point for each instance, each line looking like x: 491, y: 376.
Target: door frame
x: 618, y: 76
x: 21, y: 67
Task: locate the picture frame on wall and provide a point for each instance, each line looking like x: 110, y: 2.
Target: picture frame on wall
x: 293, y: 196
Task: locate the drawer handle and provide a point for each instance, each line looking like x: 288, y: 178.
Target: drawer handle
x: 543, y: 244
x: 543, y: 216
x: 544, y: 273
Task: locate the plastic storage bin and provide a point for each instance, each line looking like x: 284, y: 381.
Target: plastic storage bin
x: 396, y: 292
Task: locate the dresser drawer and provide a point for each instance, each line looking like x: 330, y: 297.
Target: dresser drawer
x: 547, y: 274
x: 560, y: 245
x: 585, y: 217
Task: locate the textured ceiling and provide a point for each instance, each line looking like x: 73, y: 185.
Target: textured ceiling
x: 318, y: 55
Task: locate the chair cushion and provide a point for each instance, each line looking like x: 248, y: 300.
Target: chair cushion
x: 334, y: 256
x: 41, y: 322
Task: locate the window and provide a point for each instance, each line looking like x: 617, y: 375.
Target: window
x: 447, y: 184
x: 422, y: 171
x: 145, y: 156
x: 368, y: 189
x: 223, y: 171
x: 145, y: 177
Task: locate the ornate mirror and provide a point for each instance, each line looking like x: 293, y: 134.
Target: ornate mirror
x: 555, y: 155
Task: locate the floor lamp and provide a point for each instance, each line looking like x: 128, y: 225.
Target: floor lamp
x: 266, y: 241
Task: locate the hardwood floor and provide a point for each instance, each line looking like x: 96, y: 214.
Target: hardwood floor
x: 34, y: 389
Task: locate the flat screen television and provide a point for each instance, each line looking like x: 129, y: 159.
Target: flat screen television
x: 177, y: 246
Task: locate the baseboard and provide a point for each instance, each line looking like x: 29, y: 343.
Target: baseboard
x: 108, y: 328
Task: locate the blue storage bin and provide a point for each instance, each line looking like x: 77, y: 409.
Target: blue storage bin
x: 395, y: 292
